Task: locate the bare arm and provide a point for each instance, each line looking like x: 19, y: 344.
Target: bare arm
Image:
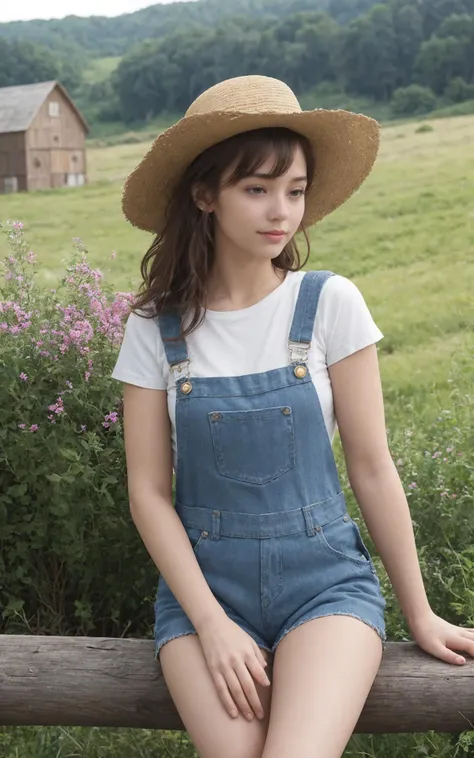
x: 149, y: 469
x: 373, y: 476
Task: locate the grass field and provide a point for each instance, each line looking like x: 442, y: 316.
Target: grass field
x: 406, y: 238
x: 100, y: 68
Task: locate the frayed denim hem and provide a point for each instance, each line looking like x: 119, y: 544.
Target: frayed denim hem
x: 379, y: 631
x: 168, y: 639
x: 185, y: 634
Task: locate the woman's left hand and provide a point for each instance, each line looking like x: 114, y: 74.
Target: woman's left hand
x: 440, y: 638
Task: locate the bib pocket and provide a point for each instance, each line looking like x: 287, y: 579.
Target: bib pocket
x: 254, y: 446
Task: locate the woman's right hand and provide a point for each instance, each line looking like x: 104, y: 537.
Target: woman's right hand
x: 233, y: 658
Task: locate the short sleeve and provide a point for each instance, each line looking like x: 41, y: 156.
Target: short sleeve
x: 141, y: 356
x: 344, y: 321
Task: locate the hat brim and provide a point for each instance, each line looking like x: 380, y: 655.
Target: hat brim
x: 345, y: 146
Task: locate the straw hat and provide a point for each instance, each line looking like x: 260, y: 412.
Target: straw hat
x: 345, y: 146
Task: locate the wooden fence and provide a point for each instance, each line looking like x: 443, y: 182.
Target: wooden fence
x: 89, y: 681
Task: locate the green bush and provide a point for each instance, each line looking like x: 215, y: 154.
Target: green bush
x: 459, y: 91
x: 71, y: 560
x: 424, y: 129
x: 412, y: 101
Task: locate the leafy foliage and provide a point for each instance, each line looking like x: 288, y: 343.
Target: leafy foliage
x: 67, y: 545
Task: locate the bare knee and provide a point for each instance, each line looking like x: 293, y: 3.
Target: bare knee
x: 213, y: 732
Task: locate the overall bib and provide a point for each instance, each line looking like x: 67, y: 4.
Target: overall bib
x: 258, y: 492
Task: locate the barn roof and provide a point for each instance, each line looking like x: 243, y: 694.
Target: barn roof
x: 19, y: 105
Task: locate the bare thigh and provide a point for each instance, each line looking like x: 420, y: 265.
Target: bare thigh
x: 322, y: 674
x: 212, y: 730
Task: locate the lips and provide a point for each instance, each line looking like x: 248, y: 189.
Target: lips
x: 276, y: 234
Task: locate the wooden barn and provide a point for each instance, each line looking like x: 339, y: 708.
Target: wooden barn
x: 42, y: 138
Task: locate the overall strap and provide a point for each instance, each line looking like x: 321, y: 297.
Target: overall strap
x: 305, y: 313
x: 176, y: 351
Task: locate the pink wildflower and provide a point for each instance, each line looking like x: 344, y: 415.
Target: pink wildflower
x: 23, y: 377
x: 34, y: 428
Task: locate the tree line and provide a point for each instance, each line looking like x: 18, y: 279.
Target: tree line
x: 393, y: 45
x: 406, y: 52
x: 115, y: 36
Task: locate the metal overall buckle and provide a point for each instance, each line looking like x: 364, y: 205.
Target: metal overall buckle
x: 298, y: 351
x: 180, y: 370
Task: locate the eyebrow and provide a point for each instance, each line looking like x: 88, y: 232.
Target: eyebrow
x: 267, y: 176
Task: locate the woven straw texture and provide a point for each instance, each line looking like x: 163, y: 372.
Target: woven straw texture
x: 345, y: 146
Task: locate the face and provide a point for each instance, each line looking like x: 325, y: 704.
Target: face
x: 258, y: 216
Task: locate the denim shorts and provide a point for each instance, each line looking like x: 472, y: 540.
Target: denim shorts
x: 272, y: 572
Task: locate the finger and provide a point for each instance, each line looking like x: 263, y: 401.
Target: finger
x: 224, y: 694
x: 257, y: 671
x: 250, y: 691
x: 445, y: 654
x: 462, y: 642
x: 260, y: 657
x: 237, y: 693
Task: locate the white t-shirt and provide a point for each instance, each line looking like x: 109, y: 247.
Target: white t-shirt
x: 254, y: 340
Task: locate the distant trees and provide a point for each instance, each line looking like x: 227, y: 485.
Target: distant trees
x: 393, y: 45
x: 27, y: 63
x: 405, y: 51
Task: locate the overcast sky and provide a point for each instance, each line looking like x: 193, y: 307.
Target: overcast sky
x: 23, y: 10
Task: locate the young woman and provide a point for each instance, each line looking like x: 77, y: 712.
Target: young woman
x: 237, y: 365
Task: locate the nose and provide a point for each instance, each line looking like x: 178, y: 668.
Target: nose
x: 279, y: 210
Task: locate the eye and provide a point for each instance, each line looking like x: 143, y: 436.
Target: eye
x: 255, y: 190
x: 298, y: 193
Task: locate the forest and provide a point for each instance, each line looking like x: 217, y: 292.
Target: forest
x: 406, y: 52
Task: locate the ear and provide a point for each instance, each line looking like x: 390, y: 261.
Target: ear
x: 198, y: 193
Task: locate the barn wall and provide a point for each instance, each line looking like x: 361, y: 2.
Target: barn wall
x: 56, y: 145
x: 12, y: 162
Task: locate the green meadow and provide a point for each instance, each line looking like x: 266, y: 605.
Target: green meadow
x: 406, y: 239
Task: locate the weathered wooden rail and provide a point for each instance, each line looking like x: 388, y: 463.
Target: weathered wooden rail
x: 89, y: 681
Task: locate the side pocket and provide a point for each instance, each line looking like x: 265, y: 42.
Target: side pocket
x: 196, y: 537
x: 342, y: 537
x: 362, y: 545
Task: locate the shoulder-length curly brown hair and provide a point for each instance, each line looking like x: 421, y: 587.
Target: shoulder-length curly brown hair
x: 176, y: 267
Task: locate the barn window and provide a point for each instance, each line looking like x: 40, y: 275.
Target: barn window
x: 74, y: 159
x: 10, y: 184
x: 54, y: 108
x: 36, y: 163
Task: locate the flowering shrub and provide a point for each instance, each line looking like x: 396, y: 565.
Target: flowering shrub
x: 71, y: 560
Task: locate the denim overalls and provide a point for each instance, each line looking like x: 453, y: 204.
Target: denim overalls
x: 258, y: 492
